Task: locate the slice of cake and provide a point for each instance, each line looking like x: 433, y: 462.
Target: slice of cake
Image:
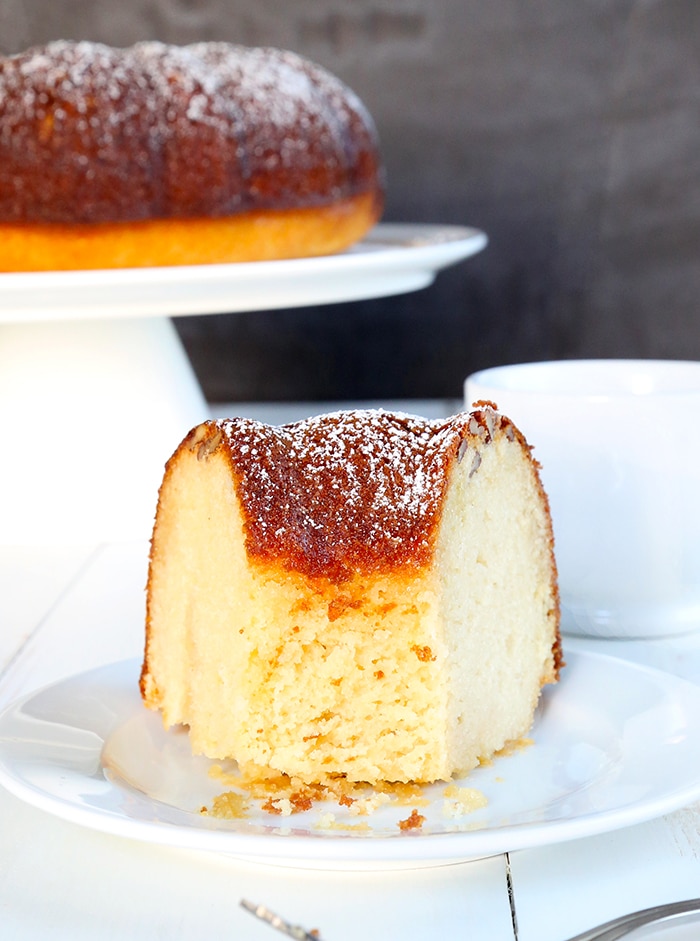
x: 363, y: 594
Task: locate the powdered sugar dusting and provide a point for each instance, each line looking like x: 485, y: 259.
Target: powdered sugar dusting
x: 205, y: 129
x: 349, y: 492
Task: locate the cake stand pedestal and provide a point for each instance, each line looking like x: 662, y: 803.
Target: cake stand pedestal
x: 96, y: 390
x: 90, y: 411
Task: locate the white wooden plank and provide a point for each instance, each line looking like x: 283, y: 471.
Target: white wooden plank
x: 32, y: 578
x: 562, y: 890
x: 98, y: 619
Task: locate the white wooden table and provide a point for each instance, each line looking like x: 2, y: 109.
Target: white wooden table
x: 66, y: 610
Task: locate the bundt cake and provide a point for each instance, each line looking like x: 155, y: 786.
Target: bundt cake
x: 159, y: 155
x: 362, y: 594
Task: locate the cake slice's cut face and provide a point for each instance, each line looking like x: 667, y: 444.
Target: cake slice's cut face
x: 409, y: 671
x: 283, y: 672
x: 347, y: 683
x: 499, y: 606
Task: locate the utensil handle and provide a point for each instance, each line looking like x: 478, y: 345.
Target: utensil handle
x: 619, y: 927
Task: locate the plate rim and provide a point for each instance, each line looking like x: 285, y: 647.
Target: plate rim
x: 347, y: 850
x: 394, y: 258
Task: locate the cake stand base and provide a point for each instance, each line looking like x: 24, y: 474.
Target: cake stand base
x: 90, y: 410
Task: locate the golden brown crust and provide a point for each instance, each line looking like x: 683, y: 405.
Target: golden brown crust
x: 89, y: 133
x: 338, y: 495
x: 92, y: 135
x: 264, y: 235
x: 350, y: 492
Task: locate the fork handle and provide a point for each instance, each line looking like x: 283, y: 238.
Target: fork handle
x: 619, y: 927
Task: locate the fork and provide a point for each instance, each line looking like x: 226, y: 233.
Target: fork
x: 619, y: 927
x: 609, y: 931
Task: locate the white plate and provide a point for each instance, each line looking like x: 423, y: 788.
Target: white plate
x: 392, y: 259
x: 614, y: 744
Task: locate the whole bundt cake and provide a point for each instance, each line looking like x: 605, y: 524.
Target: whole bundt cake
x: 159, y: 154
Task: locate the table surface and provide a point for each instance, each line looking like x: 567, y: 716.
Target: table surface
x: 65, y: 610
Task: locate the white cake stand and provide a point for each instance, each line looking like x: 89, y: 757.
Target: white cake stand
x: 96, y: 390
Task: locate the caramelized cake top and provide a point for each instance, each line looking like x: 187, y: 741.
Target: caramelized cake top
x: 90, y: 133
x: 346, y: 493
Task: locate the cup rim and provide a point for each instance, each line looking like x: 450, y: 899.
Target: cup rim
x: 619, y: 378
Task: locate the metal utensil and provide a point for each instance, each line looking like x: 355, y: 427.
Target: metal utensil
x: 619, y: 927
x: 609, y: 931
x: 292, y: 931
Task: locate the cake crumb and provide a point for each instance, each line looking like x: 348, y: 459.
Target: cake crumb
x: 228, y: 806
x: 328, y: 821
x: 462, y: 800
x: 413, y: 822
x: 282, y: 806
x: 282, y: 796
x: 363, y: 806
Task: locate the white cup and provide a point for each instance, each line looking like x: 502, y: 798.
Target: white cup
x: 619, y: 446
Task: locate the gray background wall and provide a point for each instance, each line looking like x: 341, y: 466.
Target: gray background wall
x: 569, y: 131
